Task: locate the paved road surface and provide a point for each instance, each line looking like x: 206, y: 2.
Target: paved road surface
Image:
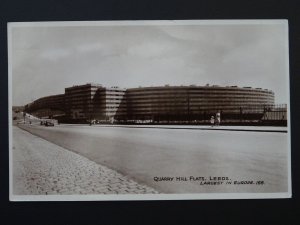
x: 43, y: 168
x: 145, y: 153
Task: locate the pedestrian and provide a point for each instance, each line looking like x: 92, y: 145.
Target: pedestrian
x: 218, y: 118
x: 212, y: 121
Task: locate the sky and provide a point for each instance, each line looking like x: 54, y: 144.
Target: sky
x: 45, y: 60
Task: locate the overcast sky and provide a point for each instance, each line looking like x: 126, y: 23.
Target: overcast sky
x: 45, y: 60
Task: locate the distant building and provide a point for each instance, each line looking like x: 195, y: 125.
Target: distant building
x: 18, y: 109
x: 48, y: 106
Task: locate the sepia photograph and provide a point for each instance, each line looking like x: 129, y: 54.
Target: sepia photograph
x: 149, y: 110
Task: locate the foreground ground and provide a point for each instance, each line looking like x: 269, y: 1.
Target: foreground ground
x: 42, y: 168
x: 148, y: 154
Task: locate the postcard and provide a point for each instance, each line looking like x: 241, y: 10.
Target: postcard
x: 149, y: 110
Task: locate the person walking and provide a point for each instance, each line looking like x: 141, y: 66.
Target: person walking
x: 212, y: 121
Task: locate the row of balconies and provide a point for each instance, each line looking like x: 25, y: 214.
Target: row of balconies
x: 172, y: 95
x: 195, y: 89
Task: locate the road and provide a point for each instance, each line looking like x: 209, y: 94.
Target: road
x: 145, y: 153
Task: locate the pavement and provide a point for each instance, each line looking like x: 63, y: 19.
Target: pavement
x: 196, y: 127
x: 144, y: 154
x: 43, y: 168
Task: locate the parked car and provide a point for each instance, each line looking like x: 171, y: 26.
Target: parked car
x: 48, y: 123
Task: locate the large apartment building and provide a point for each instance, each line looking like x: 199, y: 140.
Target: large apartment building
x: 177, y: 104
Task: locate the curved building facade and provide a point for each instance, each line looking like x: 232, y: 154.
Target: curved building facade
x: 47, y: 106
x: 185, y: 103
